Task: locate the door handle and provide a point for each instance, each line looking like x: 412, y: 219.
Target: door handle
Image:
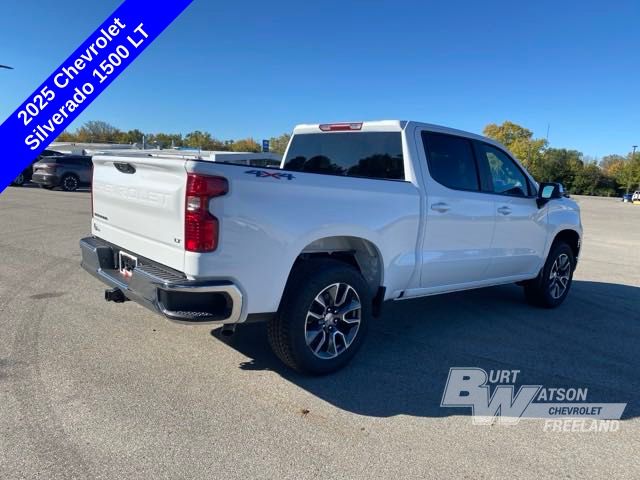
x: 440, y: 207
x: 504, y: 210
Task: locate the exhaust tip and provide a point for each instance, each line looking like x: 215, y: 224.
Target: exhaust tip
x: 115, y: 295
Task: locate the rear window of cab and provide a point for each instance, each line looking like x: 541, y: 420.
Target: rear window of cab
x: 351, y: 154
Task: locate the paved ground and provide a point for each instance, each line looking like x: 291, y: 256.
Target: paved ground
x: 96, y: 390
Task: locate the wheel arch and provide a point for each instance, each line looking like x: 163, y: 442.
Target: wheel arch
x: 571, y: 238
x: 359, y: 252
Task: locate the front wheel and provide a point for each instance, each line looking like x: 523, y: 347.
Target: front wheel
x: 323, y: 317
x: 551, y: 286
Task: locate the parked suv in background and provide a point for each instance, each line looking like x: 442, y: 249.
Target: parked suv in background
x: 68, y: 172
x: 27, y: 173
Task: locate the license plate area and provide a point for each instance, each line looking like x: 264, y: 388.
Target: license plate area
x: 126, y: 264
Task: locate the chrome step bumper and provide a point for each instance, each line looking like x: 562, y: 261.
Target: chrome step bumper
x: 162, y: 289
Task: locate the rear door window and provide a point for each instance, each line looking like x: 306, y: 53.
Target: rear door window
x: 451, y: 161
x: 352, y: 154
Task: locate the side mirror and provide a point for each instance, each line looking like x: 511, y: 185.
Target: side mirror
x: 549, y: 191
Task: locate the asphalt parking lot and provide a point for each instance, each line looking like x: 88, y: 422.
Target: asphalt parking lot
x: 90, y: 389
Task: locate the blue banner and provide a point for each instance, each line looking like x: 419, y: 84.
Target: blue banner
x: 80, y: 79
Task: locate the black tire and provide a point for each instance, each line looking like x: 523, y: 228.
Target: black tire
x: 287, y: 331
x: 70, y: 182
x: 542, y: 291
x: 19, y: 181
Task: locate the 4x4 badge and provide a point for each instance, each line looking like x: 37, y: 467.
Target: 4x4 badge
x: 265, y: 174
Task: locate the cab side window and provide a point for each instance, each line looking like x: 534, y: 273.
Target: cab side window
x: 451, y: 161
x: 506, y: 177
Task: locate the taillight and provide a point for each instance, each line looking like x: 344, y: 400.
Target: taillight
x: 51, y: 167
x: 200, y: 227
x: 340, y: 127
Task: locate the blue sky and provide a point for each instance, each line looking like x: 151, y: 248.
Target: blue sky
x: 256, y: 69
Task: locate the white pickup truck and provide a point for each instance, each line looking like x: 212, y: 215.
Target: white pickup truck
x: 357, y: 214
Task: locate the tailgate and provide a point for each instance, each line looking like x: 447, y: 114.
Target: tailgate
x: 138, y: 204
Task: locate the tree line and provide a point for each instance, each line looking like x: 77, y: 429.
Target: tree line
x: 612, y: 175
x: 103, y: 132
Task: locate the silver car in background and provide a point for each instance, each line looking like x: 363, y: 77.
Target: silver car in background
x: 68, y: 172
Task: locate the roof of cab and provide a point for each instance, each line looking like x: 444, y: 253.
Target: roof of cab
x: 374, y: 126
x: 395, y: 126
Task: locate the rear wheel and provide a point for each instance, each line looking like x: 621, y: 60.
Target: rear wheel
x: 551, y: 286
x: 70, y: 183
x: 323, y: 317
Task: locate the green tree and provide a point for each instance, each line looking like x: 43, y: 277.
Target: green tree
x: 520, y: 142
x: 203, y: 140
x: 246, y: 145
x: 97, y: 131
x: 628, y: 173
x: 508, y: 133
x: 587, y: 180
x: 611, y: 163
x: 66, y: 136
x: 560, y: 165
x: 130, y: 137
x: 103, y: 132
x: 165, y: 140
x: 198, y: 139
x: 279, y: 144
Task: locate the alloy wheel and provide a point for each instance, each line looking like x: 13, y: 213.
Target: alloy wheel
x: 559, y: 276
x: 70, y: 183
x: 333, y: 320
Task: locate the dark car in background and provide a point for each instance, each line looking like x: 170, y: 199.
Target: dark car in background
x: 627, y: 197
x: 68, y: 172
x: 27, y: 173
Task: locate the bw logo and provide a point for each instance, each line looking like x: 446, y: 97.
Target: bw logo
x: 468, y: 387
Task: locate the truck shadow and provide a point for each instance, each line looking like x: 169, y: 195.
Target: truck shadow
x: 591, y: 341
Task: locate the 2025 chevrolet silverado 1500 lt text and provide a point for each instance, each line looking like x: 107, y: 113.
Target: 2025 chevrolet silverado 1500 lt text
x: 357, y: 214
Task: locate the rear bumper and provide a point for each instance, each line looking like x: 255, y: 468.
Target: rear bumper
x: 47, y: 180
x: 163, y: 290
